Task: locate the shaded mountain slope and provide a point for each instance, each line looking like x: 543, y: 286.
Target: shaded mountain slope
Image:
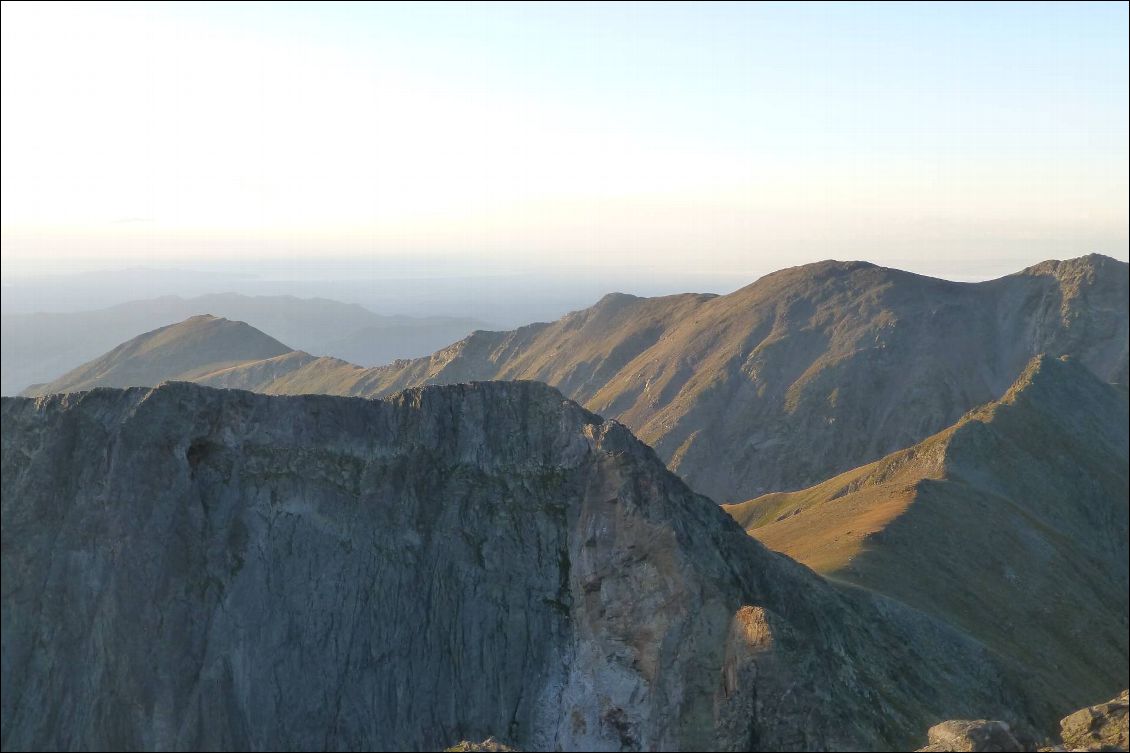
x: 193, y: 568
x: 1011, y: 525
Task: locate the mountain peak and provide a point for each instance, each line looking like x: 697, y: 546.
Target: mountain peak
x: 616, y: 297
x: 1088, y: 264
x: 821, y: 269
x: 190, y: 349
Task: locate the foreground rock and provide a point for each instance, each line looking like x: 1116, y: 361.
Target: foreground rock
x: 1097, y: 728
x: 190, y: 568
x: 980, y: 735
x: 1102, y: 727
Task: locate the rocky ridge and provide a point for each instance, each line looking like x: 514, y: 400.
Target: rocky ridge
x: 191, y: 568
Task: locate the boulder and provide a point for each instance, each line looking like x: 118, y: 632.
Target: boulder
x: 1101, y: 727
x: 972, y: 735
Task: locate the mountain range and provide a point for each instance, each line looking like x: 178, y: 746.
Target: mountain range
x: 458, y: 546
x: 804, y: 374
x: 38, y: 347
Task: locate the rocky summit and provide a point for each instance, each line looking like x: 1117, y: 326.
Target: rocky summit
x: 193, y: 568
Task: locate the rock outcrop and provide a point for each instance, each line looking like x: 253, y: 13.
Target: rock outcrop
x: 1096, y: 728
x: 192, y: 568
x: 967, y: 736
x: 1101, y: 727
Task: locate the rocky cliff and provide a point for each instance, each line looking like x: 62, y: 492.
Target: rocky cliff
x: 192, y: 568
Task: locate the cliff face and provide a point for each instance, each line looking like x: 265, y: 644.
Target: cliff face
x: 186, y: 567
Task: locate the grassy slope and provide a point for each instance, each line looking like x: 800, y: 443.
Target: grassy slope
x: 1011, y: 524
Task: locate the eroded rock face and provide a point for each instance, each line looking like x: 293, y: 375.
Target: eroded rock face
x: 190, y: 568
x: 1101, y: 727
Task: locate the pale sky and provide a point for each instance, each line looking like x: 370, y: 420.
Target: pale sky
x: 930, y: 137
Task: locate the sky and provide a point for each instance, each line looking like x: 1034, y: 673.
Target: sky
x: 955, y: 139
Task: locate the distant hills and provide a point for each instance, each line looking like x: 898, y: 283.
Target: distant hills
x: 1011, y: 525
x: 808, y: 372
x: 193, y: 349
x: 39, y: 347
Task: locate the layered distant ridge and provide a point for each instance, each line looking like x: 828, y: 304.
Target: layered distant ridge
x: 38, y: 347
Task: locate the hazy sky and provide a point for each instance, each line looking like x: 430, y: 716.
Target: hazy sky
x: 940, y: 138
